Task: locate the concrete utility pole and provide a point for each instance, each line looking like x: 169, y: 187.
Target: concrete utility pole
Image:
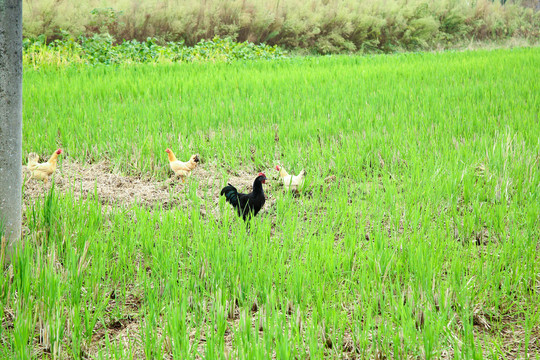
x: 10, y: 122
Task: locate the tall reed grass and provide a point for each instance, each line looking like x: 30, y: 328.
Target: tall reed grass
x: 322, y: 26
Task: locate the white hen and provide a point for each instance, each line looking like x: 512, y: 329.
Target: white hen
x: 291, y: 182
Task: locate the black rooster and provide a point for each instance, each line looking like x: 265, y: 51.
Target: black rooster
x: 246, y: 205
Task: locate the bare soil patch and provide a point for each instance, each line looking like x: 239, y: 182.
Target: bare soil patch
x: 114, y: 189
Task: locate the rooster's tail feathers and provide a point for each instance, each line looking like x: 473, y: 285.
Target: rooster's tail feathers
x: 231, y: 194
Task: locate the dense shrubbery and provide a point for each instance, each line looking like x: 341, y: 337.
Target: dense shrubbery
x: 101, y: 49
x: 322, y: 26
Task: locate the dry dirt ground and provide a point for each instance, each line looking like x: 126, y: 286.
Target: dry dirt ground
x: 116, y: 190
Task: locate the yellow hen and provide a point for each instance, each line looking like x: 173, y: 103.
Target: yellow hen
x: 182, y: 169
x: 44, y: 170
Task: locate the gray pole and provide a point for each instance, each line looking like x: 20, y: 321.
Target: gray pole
x: 10, y: 121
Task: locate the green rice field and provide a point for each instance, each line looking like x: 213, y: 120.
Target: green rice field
x: 416, y: 237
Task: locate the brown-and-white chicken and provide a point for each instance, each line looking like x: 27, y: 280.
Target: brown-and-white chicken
x: 291, y: 182
x: 182, y: 169
x: 44, y: 170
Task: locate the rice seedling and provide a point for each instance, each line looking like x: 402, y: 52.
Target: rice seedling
x: 416, y: 236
